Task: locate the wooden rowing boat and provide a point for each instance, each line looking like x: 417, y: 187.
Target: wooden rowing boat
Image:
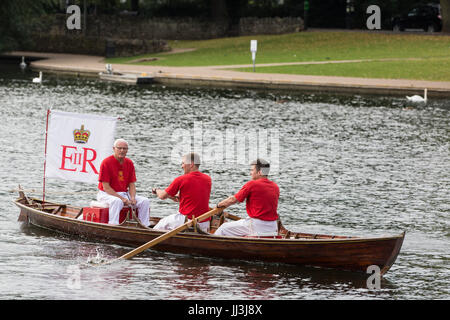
x: 328, y: 251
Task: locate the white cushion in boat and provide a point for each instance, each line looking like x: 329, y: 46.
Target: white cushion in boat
x: 99, y: 204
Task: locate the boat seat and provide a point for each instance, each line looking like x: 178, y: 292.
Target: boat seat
x: 59, y: 210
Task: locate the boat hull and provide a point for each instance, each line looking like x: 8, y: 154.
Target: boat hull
x: 354, y: 254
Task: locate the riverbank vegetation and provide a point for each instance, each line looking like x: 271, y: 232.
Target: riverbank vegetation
x: 405, y: 55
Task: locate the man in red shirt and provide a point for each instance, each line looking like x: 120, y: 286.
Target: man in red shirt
x: 117, y: 187
x: 261, y: 197
x: 191, y: 190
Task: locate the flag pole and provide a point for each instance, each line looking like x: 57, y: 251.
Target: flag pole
x: 45, y: 156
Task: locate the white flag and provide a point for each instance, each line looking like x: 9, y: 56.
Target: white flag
x: 77, y: 144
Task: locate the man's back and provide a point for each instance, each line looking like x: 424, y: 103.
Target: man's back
x: 262, y: 198
x: 195, y: 190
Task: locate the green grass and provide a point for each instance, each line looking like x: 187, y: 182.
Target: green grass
x: 437, y: 69
x: 318, y: 46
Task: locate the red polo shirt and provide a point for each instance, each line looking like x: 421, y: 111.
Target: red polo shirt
x: 195, y: 189
x: 262, y: 199
x: 118, y: 175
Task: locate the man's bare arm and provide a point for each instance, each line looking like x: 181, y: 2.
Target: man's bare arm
x: 163, y: 195
x: 227, y: 202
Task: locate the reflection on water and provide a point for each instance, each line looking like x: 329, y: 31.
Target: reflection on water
x: 349, y: 164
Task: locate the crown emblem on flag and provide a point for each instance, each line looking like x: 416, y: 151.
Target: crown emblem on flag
x: 81, y: 135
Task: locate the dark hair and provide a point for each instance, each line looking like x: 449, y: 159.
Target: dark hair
x: 261, y: 165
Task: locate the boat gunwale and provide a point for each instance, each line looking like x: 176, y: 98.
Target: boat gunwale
x: 209, y: 237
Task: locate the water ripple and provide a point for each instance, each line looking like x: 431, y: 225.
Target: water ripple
x: 355, y: 165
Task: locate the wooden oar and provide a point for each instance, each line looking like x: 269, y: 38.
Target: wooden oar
x: 166, y: 235
x: 230, y: 216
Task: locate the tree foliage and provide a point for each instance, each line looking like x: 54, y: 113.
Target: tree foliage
x: 17, y: 18
x: 445, y: 12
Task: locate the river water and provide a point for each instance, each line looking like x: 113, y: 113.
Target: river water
x: 345, y: 164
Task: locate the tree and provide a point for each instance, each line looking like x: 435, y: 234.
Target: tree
x: 445, y: 13
x: 228, y: 11
x: 16, y: 22
x: 219, y: 10
x: 134, y: 5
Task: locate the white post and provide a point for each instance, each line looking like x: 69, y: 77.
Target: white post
x: 253, y: 49
x: 85, y: 18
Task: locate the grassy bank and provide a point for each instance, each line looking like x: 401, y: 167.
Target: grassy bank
x: 320, y: 46
x: 432, y: 69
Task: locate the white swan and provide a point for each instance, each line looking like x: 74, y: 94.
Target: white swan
x: 23, y: 65
x: 416, y: 98
x: 38, y: 80
x: 109, y: 69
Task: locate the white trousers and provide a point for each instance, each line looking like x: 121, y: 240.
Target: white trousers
x: 177, y: 219
x: 248, y: 227
x: 115, y: 205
